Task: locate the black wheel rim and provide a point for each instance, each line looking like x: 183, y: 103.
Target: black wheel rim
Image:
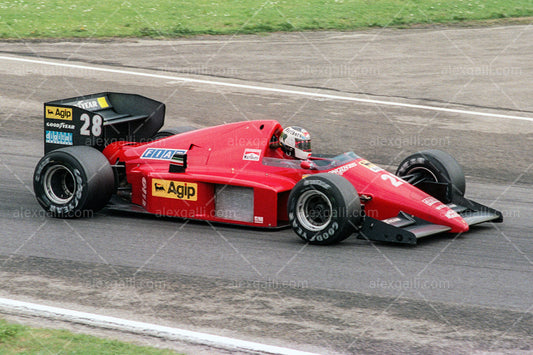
x: 418, y: 175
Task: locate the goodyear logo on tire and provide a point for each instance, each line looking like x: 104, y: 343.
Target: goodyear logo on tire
x: 175, y: 189
x: 58, y: 113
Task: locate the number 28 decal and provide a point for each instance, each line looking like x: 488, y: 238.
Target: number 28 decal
x: 396, y: 182
x: 93, y: 126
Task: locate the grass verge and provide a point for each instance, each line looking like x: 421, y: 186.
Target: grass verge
x: 19, y: 339
x: 175, y: 18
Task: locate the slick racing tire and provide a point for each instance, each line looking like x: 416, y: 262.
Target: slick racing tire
x: 73, y: 181
x: 172, y: 132
x: 324, y: 209
x: 433, y: 166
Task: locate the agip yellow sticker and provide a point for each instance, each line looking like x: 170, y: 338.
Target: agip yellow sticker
x: 175, y: 189
x: 58, y: 113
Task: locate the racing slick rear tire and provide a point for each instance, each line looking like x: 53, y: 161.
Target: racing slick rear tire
x: 324, y: 209
x: 433, y: 166
x: 73, y: 181
x: 172, y: 132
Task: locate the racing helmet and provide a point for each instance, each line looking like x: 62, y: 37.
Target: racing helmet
x: 296, y: 141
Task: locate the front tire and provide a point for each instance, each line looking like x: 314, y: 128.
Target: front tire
x: 73, y: 181
x: 324, y: 209
x: 433, y: 166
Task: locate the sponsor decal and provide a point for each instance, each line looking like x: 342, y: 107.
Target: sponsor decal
x: 258, y: 219
x: 59, y: 125
x: 327, y: 233
x: 297, y: 132
x: 178, y: 163
x: 430, y: 201
x: 251, y: 154
x: 63, y: 138
x: 39, y: 169
x: 342, y: 169
x: 162, y: 154
x: 93, y: 104
x: 320, y: 183
x: 175, y: 189
x: 451, y: 214
x: 370, y: 166
x: 102, y: 102
x: 144, y: 191
x: 58, y: 113
x: 179, y: 159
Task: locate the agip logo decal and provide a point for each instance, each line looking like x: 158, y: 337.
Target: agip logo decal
x: 58, y: 113
x: 175, y: 189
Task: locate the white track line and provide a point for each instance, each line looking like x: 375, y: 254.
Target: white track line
x: 269, y: 89
x: 96, y: 320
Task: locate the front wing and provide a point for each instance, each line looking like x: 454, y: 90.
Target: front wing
x: 407, y: 229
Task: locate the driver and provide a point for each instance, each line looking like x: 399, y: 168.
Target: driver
x: 295, y: 142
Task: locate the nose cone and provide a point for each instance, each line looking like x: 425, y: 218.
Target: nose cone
x: 437, y: 212
x: 458, y: 224
x: 392, y: 195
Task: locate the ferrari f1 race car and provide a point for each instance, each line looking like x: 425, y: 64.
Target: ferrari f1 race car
x: 108, y: 150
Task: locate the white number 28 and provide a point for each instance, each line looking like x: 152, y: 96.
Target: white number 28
x: 95, y: 125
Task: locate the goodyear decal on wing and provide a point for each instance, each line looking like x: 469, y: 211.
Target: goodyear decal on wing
x: 161, y: 154
x: 54, y: 137
x: 175, y: 189
x: 60, y: 125
x: 93, y: 104
x: 58, y: 113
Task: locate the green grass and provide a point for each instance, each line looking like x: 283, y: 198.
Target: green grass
x: 18, y: 339
x: 175, y: 18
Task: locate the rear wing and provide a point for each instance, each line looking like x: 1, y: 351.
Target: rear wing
x: 99, y: 119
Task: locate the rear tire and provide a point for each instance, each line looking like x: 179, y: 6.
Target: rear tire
x: 433, y: 166
x: 324, y: 209
x: 73, y: 181
x: 172, y: 132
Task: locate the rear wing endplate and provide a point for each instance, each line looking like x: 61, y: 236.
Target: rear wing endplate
x: 99, y: 119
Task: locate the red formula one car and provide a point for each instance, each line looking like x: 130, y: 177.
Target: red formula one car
x: 107, y: 149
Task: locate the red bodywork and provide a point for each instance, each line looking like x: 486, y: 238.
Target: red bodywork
x: 232, y: 175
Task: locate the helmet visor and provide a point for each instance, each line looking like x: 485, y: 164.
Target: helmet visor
x: 303, y: 144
